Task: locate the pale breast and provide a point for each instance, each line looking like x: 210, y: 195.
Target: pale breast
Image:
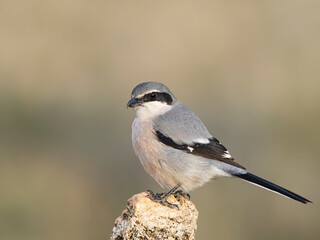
x: 168, y: 166
x: 145, y: 146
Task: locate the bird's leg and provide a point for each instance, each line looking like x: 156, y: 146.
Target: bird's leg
x: 162, y: 197
x: 180, y: 193
x: 153, y: 195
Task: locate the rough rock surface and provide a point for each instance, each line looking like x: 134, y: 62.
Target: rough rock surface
x: 145, y: 219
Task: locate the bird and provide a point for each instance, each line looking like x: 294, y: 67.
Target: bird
x: 177, y: 150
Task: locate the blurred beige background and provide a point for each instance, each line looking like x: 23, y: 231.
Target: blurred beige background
x: 249, y: 69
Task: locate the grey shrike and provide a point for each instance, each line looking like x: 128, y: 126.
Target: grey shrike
x: 177, y: 150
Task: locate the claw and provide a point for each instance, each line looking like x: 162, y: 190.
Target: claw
x: 180, y: 193
x: 162, y: 197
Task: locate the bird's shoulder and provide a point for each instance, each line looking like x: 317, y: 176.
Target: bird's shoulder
x: 182, y: 125
x: 181, y: 129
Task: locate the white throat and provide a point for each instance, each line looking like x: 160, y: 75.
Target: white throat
x: 151, y: 109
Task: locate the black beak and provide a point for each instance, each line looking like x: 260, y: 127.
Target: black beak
x: 134, y: 102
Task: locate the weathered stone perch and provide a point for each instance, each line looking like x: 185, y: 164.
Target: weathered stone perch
x: 146, y: 219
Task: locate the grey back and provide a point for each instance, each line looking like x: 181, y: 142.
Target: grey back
x: 181, y: 125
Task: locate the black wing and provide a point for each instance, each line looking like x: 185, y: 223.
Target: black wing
x: 213, y: 150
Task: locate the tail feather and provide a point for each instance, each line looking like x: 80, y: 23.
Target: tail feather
x: 251, y: 178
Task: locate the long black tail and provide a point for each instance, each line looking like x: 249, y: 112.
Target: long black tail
x: 271, y: 186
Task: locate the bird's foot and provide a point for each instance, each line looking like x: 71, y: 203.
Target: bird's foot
x: 161, y: 198
x: 178, y: 194
x: 154, y: 196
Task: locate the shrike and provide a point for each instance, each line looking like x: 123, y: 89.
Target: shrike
x: 177, y: 150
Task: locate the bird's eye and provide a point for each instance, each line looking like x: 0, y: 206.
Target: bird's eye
x: 153, y: 95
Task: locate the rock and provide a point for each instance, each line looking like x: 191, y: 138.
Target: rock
x: 146, y: 219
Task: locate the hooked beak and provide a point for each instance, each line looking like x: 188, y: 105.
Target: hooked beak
x: 134, y: 102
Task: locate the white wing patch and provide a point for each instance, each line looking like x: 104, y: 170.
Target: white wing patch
x: 226, y: 155
x: 202, y: 140
x: 190, y: 149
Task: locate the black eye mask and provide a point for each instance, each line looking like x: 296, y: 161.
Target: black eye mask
x: 157, y: 96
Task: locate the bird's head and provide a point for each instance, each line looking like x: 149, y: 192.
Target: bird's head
x: 150, y: 99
